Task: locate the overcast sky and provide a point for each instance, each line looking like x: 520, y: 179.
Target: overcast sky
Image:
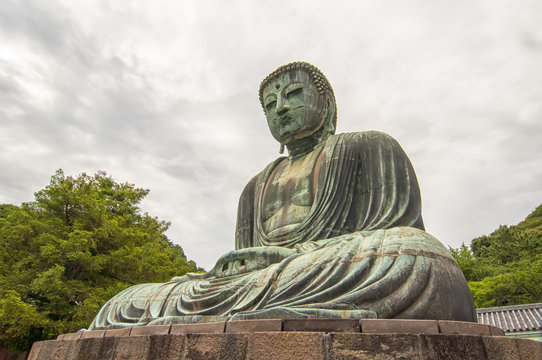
x: 164, y: 95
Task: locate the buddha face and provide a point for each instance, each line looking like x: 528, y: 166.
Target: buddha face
x: 293, y: 106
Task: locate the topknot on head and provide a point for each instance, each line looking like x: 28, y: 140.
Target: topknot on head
x: 317, y: 77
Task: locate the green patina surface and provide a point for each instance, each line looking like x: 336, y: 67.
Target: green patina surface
x: 334, y: 229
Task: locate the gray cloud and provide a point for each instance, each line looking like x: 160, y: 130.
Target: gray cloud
x: 166, y: 97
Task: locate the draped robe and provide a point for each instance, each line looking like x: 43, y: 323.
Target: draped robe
x: 361, y: 252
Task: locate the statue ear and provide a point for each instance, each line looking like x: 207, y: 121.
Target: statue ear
x: 330, y: 116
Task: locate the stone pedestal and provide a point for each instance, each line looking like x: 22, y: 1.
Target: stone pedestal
x: 294, y: 339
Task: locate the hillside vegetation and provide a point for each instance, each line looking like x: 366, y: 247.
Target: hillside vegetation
x: 505, y: 267
x: 62, y: 256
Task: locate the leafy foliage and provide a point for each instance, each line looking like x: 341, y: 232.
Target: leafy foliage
x: 65, y: 254
x: 505, y: 268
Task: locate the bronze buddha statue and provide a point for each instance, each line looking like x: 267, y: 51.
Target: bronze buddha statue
x: 333, y: 230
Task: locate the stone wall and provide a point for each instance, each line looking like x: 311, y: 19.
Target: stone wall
x: 294, y: 339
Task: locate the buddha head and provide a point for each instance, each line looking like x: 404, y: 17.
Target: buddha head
x: 299, y: 103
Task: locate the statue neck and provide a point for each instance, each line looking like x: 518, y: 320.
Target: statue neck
x: 299, y: 148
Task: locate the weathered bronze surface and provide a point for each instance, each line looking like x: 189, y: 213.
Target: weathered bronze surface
x: 333, y: 230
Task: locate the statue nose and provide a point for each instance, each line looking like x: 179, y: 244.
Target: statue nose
x: 283, y: 109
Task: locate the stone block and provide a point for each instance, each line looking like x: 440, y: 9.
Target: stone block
x: 385, y: 326
x: 166, y: 347
x: 131, y: 347
x: 150, y: 330
x: 254, y: 325
x: 92, y: 334
x: 286, y: 346
x: 91, y: 349
x: 498, y: 347
x: 60, y: 337
x: 496, y: 331
x: 202, y: 328
x: 52, y: 350
x: 118, y: 332
x: 34, y: 352
x: 444, y: 346
x: 72, y: 336
x: 215, y: 346
x: 463, y: 328
x: 373, y: 346
x: 321, y: 325
x: 529, y: 349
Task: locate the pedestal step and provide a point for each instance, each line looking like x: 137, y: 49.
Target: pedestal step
x: 294, y: 339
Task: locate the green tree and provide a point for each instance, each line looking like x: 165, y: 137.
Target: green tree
x: 65, y: 254
x: 505, y: 267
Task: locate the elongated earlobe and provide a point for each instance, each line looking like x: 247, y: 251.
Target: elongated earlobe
x: 329, y: 127
x: 281, y: 150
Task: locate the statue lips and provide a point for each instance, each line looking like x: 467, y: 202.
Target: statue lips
x: 285, y: 123
x: 284, y: 120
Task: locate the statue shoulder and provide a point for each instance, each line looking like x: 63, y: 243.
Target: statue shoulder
x: 365, y: 138
x: 251, y: 185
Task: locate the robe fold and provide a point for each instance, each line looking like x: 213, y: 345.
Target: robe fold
x: 367, y: 183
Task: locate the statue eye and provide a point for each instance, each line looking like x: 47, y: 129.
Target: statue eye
x: 294, y: 92
x: 270, y: 106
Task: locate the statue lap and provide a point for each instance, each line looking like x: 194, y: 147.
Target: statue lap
x: 397, y: 273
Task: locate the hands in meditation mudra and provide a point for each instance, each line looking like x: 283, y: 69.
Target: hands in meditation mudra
x: 333, y: 230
